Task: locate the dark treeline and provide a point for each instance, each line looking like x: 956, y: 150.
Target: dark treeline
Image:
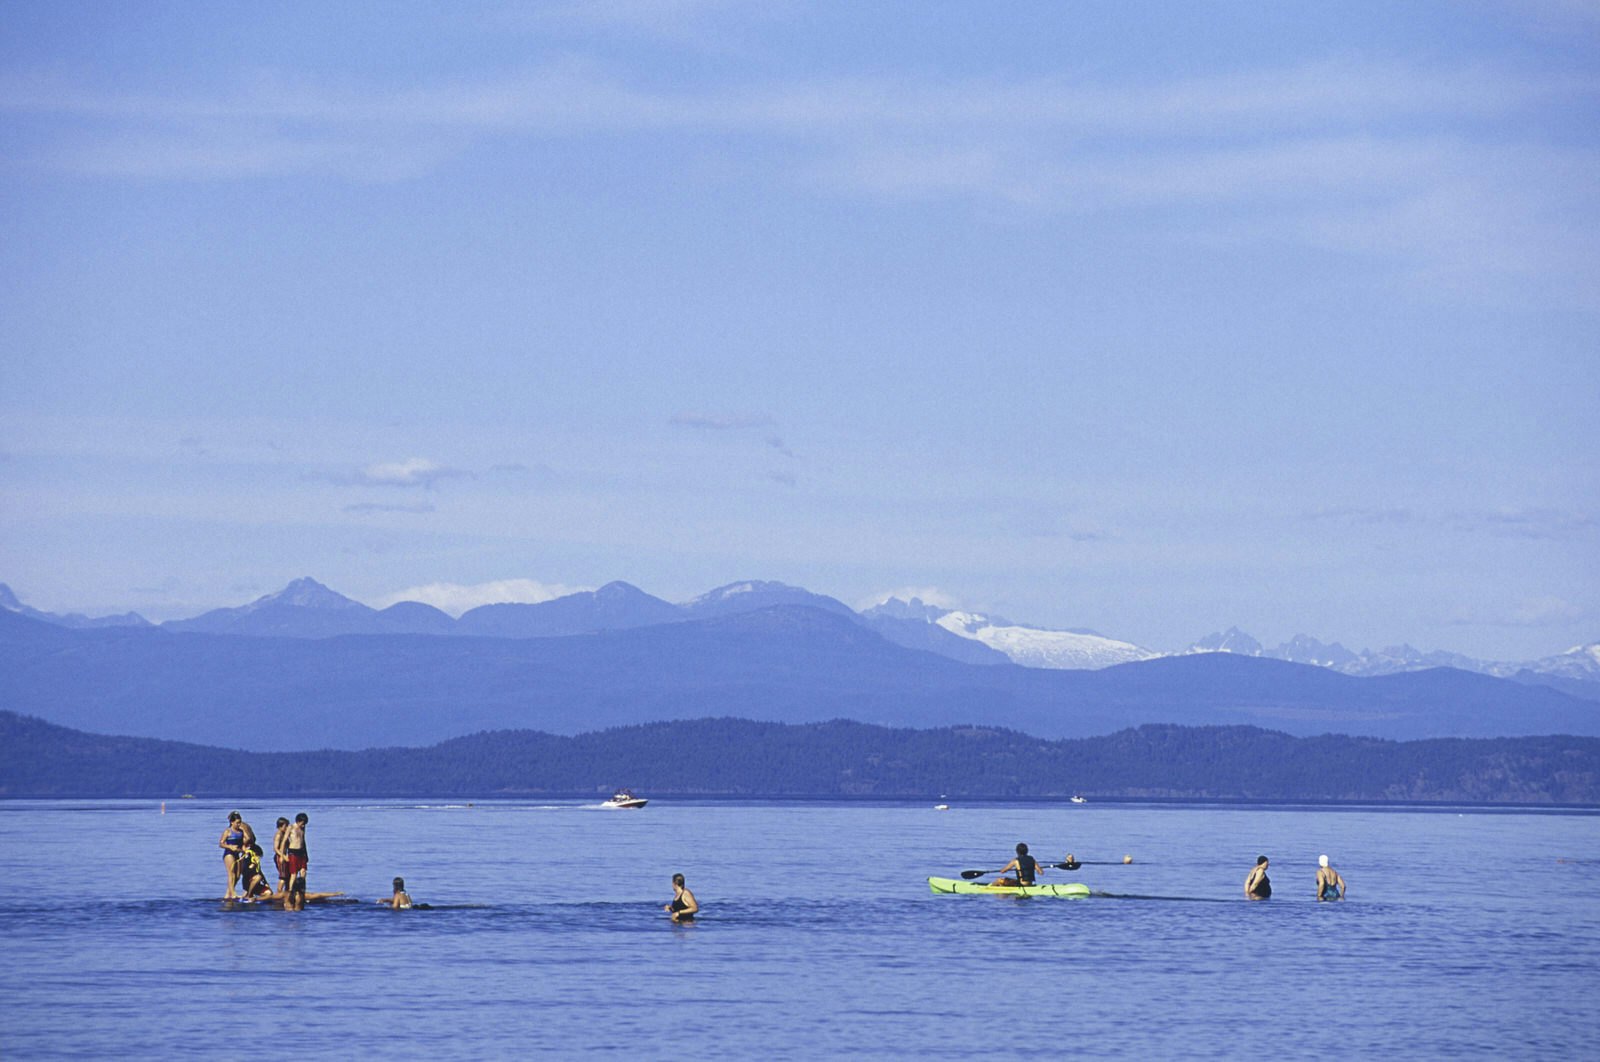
x: 836, y: 759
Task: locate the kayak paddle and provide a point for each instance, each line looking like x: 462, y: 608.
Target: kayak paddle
x: 970, y: 874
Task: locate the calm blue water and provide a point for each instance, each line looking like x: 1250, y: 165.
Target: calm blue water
x: 1465, y: 934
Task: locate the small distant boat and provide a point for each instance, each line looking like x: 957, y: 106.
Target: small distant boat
x: 1079, y: 800
x: 624, y: 798
x: 941, y: 807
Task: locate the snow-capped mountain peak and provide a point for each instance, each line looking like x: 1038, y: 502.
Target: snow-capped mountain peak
x: 305, y: 592
x: 1028, y: 646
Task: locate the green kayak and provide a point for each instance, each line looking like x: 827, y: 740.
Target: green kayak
x: 1069, y: 889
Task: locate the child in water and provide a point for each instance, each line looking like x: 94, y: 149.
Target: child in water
x: 252, y: 882
x: 401, y: 900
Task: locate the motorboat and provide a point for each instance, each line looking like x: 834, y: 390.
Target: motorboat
x: 624, y: 798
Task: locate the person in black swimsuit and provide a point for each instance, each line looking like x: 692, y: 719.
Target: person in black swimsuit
x: 1023, y: 870
x: 683, y: 905
x: 1257, y: 886
x: 1330, y: 885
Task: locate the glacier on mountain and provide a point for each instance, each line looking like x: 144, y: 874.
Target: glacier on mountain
x: 1026, y: 646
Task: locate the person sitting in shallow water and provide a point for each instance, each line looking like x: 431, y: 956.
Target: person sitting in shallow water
x: 1023, y: 870
x: 1257, y: 886
x: 401, y: 900
x: 683, y: 906
x: 253, y: 884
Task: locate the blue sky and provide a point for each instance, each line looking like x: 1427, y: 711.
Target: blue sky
x: 1149, y: 319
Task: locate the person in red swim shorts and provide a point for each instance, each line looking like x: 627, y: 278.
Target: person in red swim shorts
x: 295, y: 861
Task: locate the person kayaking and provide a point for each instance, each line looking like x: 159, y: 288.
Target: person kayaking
x: 296, y: 859
x: 253, y: 884
x: 683, y: 906
x: 279, y: 850
x: 1257, y: 886
x: 1330, y: 885
x: 1025, y: 866
x: 401, y: 900
x: 234, y: 838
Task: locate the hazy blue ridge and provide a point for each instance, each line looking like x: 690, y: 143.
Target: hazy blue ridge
x: 786, y: 664
x: 831, y: 759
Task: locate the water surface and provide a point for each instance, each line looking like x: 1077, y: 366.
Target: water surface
x: 1465, y: 933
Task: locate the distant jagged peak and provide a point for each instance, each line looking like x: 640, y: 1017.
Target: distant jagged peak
x: 1580, y: 662
x: 1304, y: 649
x: 10, y: 603
x: 306, y: 592
x: 914, y: 609
x: 1232, y: 640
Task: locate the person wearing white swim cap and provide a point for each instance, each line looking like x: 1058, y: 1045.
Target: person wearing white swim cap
x: 1330, y: 885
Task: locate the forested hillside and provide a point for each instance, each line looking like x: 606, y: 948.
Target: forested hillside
x: 832, y: 759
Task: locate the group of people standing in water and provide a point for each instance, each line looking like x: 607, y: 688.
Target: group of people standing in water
x: 1330, y: 884
x: 242, y: 855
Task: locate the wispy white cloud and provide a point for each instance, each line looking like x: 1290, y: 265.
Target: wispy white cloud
x: 722, y: 421
x: 1533, y: 523
x: 1355, y: 515
x: 1423, y: 164
x: 985, y: 115
x: 413, y: 472
x: 378, y: 507
x: 1543, y: 611
x: 456, y: 598
x: 748, y: 426
x: 1529, y: 523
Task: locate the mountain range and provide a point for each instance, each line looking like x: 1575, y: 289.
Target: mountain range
x: 307, y: 609
x: 790, y: 663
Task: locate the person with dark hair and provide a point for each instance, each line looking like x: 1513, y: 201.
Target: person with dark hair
x: 235, y: 837
x: 1257, y: 886
x: 401, y: 900
x: 279, y: 850
x: 296, y: 859
x: 1023, y: 870
x: 683, y: 906
x: 253, y: 883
